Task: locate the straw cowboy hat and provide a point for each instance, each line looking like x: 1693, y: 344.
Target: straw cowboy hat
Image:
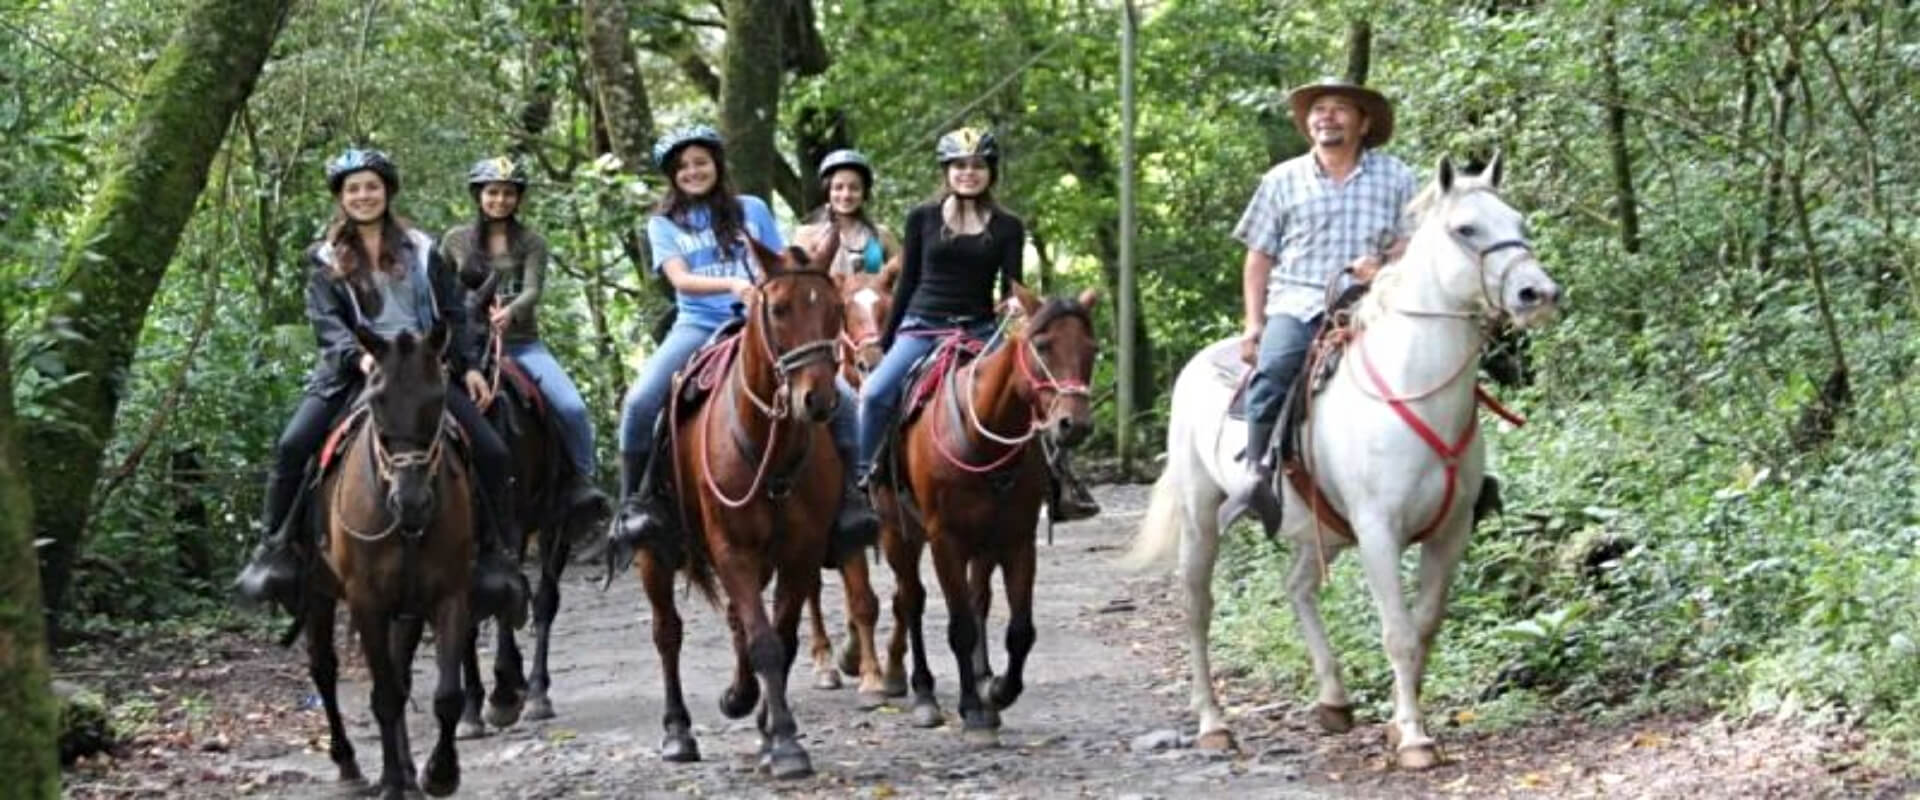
x: 1373, y: 104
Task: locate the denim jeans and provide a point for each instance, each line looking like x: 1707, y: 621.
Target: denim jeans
x: 643, y: 402
x: 880, y: 393
x: 563, y: 401
x: 1283, y: 349
x: 648, y: 396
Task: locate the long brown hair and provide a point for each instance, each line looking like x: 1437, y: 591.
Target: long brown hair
x: 726, y: 217
x: 353, y: 265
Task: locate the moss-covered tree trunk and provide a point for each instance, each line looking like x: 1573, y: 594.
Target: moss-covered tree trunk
x: 119, y: 253
x: 618, y: 90
x: 28, y: 755
x: 750, y: 92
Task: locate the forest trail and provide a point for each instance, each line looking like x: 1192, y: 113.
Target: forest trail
x: 1103, y: 716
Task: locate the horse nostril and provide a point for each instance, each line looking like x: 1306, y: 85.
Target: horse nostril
x: 1529, y: 296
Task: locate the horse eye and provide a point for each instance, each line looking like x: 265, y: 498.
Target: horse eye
x: 1466, y: 231
x: 1043, y: 344
x: 780, y: 309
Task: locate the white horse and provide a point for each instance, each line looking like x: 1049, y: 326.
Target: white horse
x: 1467, y: 268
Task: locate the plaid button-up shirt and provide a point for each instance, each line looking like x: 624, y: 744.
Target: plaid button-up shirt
x: 1314, y: 226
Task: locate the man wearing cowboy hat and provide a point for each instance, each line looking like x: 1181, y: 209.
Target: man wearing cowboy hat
x: 1334, y: 209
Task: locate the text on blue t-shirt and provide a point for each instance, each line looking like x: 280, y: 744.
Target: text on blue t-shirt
x: 694, y: 244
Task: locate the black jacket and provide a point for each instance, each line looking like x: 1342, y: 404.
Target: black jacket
x: 333, y: 310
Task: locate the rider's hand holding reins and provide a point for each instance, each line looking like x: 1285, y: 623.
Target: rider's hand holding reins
x: 1250, y: 345
x: 477, y: 388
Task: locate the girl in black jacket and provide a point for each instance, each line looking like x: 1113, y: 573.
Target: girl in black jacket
x: 374, y: 269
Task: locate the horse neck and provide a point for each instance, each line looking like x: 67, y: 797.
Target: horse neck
x: 1409, y: 327
x: 995, y: 396
x: 753, y: 369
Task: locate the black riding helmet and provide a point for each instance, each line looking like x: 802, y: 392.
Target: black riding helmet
x: 847, y: 159
x: 499, y: 169
x: 968, y: 143
x: 356, y: 160
x: 672, y: 143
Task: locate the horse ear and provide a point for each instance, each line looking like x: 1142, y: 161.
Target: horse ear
x: 1088, y: 298
x: 370, y: 342
x: 437, y: 338
x: 1494, y: 170
x: 1445, y: 174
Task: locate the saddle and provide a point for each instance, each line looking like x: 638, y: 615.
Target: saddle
x: 706, y: 370
x: 930, y: 374
x: 1323, y: 357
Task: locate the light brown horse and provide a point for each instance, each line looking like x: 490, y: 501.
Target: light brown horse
x: 399, y: 551
x: 757, y: 486
x: 867, y: 297
x: 968, y: 481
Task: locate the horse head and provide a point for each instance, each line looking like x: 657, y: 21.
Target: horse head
x: 1055, y: 350
x: 406, y: 397
x: 867, y: 298
x: 1482, y: 253
x: 793, y: 320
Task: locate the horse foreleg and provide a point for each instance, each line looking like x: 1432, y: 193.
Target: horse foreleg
x: 546, y: 606
x: 452, y: 632
x: 1199, y: 549
x: 1333, y: 710
x: 388, y: 701
x: 1438, y: 558
x: 474, y: 689
x: 980, y: 592
x: 820, y: 648
x: 1380, y: 555
x: 770, y: 655
x: 743, y: 694
x: 863, y: 617
x: 909, y: 607
x: 509, y: 679
x: 963, y: 632
x: 323, y: 666
x: 1018, y: 571
x: 405, y: 632
x: 678, y: 743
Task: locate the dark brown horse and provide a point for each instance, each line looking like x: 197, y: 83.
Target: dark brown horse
x: 968, y: 481
x: 541, y: 474
x: 757, y: 486
x: 399, y: 528
x: 866, y: 298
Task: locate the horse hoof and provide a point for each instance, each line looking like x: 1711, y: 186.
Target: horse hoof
x: 826, y: 679
x: 789, y: 762
x: 679, y: 748
x: 470, y: 729
x: 868, y: 700
x: 540, y: 708
x: 981, y: 737
x: 1002, y: 694
x: 1221, y: 739
x: 442, y: 777
x: 1418, y: 757
x: 1335, y: 719
x: 502, y: 717
x: 927, y: 715
x: 896, y: 685
x: 735, y: 703
x: 850, y: 661
x: 350, y: 775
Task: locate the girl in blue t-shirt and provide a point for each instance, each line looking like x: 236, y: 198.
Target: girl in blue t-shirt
x: 698, y: 237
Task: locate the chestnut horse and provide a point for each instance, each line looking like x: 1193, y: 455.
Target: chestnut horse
x: 399, y: 551
x: 867, y: 297
x: 968, y: 482
x: 541, y: 474
x: 757, y: 485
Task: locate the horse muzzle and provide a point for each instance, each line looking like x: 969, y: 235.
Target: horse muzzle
x: 1533, y: 299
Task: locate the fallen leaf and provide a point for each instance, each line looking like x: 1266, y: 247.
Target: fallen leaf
x: 1532, y: 780
x: 1650, y: 739
x: 1465, y: 716
x: 1612, y: 778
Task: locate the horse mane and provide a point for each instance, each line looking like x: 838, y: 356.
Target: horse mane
x: 1423, y: 208
x: 1055, y: 307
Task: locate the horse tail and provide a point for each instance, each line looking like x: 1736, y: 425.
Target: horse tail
x: 1165, y: 519
x: 699, y: 569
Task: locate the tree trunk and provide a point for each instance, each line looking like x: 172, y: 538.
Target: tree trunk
x: 1775, y: 180
x: 31, y: 758
x: 817, y: 132
x: 1623, y: 194
x: 619, y: 93
x: 120, y: 251
x: 750, y: 92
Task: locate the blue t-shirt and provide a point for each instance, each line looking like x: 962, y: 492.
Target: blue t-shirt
x: 695, y: 245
